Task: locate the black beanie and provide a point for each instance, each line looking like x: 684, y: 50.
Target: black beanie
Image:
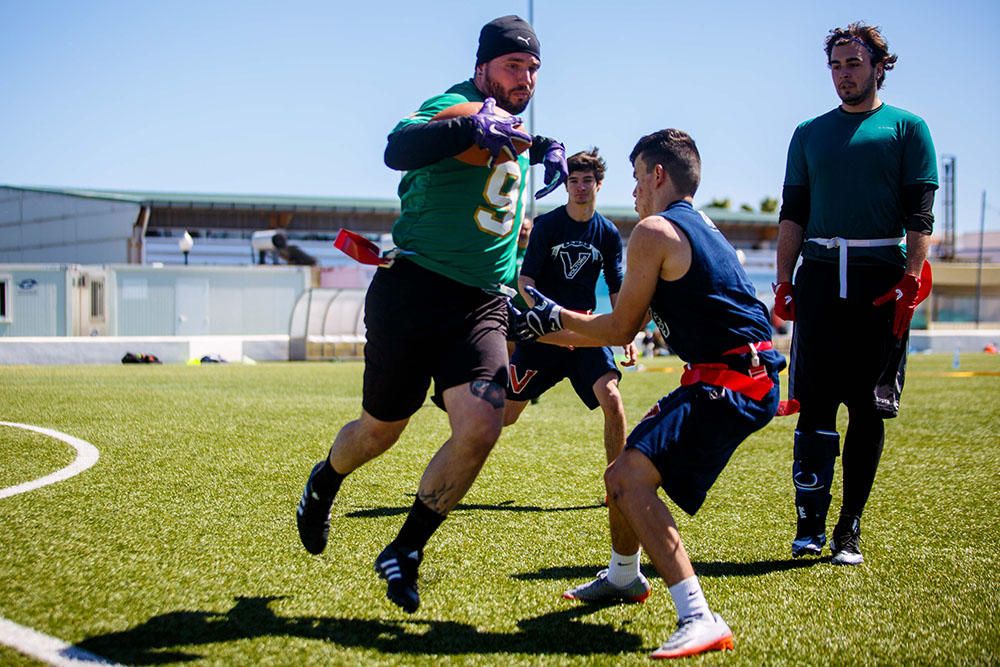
x: 507, y: 34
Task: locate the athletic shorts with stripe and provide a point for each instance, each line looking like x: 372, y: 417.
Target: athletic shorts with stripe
x: 422, y: 326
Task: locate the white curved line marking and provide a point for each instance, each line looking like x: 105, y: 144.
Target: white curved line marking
x: 45, y: 648
x: 25, y: 640
x: 86, y: 456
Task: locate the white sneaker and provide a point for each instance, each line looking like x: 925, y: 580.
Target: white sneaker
x: 694, y: 635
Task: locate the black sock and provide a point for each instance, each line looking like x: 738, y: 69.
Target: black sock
x: 420, y: 524
x: 327, y: 481
x: 862, y: 450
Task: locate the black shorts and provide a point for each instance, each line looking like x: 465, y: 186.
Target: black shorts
x: 422, y: 326
x: 537, y: 367
x: 843, y: 350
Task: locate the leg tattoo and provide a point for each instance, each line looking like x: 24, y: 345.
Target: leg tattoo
x: 441, y: 500
x: 490, y: 392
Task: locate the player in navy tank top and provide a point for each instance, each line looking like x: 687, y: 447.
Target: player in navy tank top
x: 681, y: 268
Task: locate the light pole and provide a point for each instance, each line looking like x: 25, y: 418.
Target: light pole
x: 531, y: 126
x: 185, y: 244
x: 979, y: 268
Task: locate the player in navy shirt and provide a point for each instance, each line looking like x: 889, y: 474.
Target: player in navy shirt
x: 684, y: 271
x: 568, y: 250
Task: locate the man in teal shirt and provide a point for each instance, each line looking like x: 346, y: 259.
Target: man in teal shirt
x: 857, y: 205
x: 436, y: 314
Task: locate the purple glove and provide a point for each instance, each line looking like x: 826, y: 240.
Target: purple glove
x: 556, y: 169
x: 496, y: 133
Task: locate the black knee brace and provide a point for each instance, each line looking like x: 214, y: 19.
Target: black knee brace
x: 812, y: 474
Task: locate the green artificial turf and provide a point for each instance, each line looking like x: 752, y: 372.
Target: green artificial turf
x: 179, y: 545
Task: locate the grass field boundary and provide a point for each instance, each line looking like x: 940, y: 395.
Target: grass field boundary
x: 49, y: 650
x: 30, y: 642
x: 86, y: 456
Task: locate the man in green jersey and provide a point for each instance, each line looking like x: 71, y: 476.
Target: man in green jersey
x: 438, y: 313
x: 857, y: 205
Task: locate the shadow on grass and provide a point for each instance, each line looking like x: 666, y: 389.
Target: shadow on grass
x: 753, y: 569
x: 505, y: 506
x: 170, y: 637
x: 701, y: 568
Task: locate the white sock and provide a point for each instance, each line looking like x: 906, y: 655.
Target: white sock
x: 689, y: 598
x: 623, y: 570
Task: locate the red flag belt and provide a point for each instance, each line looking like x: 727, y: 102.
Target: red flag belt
x: 754, y: 383
x: 720, y: 375
x: 746, y: 349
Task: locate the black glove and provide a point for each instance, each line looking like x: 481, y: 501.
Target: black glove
x: 514, y: 319
x: 544, y: 317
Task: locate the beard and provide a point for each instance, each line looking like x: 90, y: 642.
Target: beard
x: 866, y: 90
x: 502, y: 96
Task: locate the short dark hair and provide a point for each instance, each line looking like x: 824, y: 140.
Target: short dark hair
x: 676, y: 151
x: 868, y: 36
x: 588, y: 161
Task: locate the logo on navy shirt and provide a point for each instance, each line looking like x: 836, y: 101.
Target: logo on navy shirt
x: 574, y: 256
x: 661, y: 325
x: 708, y: 220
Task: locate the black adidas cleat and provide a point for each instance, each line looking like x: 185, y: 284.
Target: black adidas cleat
x: 845, y: 544
x: 399, y: 570
x: 313, y: 516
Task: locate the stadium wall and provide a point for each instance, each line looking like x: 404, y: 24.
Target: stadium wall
x: 131, y: 300
x: 168, y: 349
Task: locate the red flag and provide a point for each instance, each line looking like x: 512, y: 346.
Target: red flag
x: 358, y: 247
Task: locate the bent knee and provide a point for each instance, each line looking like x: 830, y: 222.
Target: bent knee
x: 630, y: 472
x: 479, y: 434
x: 615, y: 479
x: 607, y: 387
x: 376, y: 436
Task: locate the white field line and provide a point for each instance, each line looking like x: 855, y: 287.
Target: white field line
x: 44, y: 648
x: 86, y: 456
x: 25, y: 640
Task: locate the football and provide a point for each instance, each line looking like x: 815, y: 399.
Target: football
x: 474, y: 154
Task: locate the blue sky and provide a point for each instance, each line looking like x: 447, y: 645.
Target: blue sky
x: 297, y: 97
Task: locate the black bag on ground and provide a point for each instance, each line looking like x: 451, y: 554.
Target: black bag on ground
x: 131, y: 358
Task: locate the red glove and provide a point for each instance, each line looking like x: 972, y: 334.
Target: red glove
x: 905, y: 296
x: 784, y: 304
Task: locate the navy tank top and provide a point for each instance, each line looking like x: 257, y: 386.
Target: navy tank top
x: 713, y: 307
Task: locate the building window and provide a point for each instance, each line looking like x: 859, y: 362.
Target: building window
x: 6, y: 296
x: 97, y: 299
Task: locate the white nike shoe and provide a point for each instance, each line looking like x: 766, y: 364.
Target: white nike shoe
x: 694, y: 635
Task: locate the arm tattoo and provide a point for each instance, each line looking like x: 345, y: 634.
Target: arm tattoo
x: 490, y: 392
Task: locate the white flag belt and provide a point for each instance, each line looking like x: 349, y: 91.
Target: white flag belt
x: 844, y: 244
